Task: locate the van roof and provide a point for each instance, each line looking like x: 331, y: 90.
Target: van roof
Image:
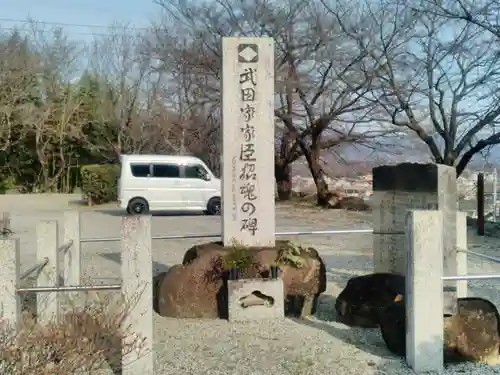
x: 124, y: 158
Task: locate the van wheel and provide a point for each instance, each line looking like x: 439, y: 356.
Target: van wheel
x: 138, y: 206
x: 213, y: 206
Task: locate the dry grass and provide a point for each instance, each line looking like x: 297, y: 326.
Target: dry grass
x: 86, y: 339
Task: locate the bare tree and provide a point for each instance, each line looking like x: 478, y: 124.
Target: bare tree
x: 484, y: 14
x: 57, y: 123
x: 320, y: 82
x: 439, y: 78
x: 128, y: 94
x: 18, y: 67
x: 189, y: 86
x: 39, y: 111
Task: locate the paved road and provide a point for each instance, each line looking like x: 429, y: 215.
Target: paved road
x: 100, y: 261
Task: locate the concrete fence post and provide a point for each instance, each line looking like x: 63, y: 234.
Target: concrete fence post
x: 47, y: 247
x: 10, y: 302
x: 462, y: 289
x: 72, y: 258
x: 137, y: 275
x: 424, y: 291
x: 5, y: 221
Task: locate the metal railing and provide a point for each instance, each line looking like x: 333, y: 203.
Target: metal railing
x: 471, y: 277
x: 66, y: 246
x: 69, y: 288
x: 218, y: 235
x: 136, y: 240
x: 475, y: 277
x: 38, y: 267
x: 483, y: 256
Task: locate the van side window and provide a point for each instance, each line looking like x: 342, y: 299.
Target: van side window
x: 166, y: 170
x: 195, y: 171
x: 139, y: 170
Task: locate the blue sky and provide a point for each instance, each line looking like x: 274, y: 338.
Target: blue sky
x: 139, y: 13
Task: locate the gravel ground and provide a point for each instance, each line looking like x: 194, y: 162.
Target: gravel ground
x: 313, y: 346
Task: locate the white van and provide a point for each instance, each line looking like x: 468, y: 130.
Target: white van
x: 167, y: 183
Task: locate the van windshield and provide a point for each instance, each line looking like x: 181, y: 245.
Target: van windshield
x: 195, y: 171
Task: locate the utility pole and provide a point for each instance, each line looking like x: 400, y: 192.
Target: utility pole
x: 495, y: 176
x: 182, y: 149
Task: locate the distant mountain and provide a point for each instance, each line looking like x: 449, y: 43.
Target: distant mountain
x: 355, y: 160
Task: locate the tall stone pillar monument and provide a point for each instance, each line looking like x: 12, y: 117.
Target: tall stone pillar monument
x: 248, y: 215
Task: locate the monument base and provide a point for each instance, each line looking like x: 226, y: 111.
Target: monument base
x: 199, y: 287
x: 255, y: 299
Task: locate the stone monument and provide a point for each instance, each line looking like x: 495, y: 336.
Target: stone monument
x: 248, y: 215
x: 410, y: 186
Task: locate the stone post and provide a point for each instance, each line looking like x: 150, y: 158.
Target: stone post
x: 72, y: 258
x: 137, y: 289
x: 10, y: 302
x: 48, y: 303
x: 407, y: 186
x: 424, y: 291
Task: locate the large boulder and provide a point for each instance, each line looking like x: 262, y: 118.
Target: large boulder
x: 198, y: 287
x: 393, y: 327
x: 365, y: 297
x: 470, y: 335
x: 473, y: 334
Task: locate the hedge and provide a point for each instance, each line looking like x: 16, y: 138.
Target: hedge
x: 100, y: 182
x: 7, y: 183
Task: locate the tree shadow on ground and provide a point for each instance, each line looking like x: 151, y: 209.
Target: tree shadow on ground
x: 159, y: 271
x: 78, y: 202
x: 157, y: 267
x: 119, y: 212
x: 340, y: 278
x: 365, y: 339
x: 348, y: 264
x: 368, y: 340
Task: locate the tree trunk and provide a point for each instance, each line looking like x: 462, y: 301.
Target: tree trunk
x: 323, y: 194
x: 283, y: 177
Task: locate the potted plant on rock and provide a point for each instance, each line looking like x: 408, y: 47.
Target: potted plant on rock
x: 274, y: 271
x: 231, y: 269
x: 237, y: 259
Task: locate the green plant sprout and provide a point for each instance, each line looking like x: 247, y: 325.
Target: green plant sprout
x: 239, y: 256
x: 291, y: 254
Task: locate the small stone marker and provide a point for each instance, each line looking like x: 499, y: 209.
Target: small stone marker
x: 255, y: 299
x: 248, y: 141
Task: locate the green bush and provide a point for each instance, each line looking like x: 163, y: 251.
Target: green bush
x: 7, y: 183
x: 99, y: 182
